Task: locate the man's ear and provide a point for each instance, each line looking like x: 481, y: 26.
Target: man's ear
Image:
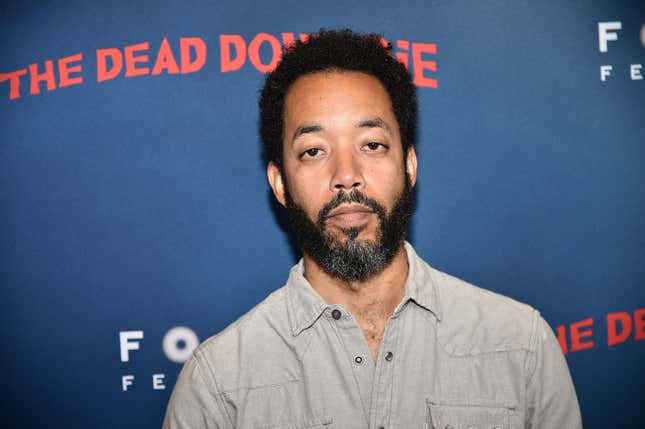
x: 411, y: 165
x: 275, y: 180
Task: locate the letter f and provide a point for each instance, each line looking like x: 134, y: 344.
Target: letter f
x: 604, y: 33
x: 127, y: 345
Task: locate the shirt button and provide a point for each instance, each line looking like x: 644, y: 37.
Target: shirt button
x: 358, y: 360
x: 389, y: 356
x: 336, y: 314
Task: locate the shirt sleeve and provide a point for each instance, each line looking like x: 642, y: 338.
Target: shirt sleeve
x: 551, y: 397
x: 195, y: 402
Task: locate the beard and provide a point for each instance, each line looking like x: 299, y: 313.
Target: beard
x: 347, y: 257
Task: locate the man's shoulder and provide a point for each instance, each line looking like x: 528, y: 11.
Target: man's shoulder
x: 476, y: 320
x: 253, y: 341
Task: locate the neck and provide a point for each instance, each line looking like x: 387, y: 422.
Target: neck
x: 375, y: 297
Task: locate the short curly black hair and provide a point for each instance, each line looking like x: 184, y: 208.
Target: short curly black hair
x: 335, y: 50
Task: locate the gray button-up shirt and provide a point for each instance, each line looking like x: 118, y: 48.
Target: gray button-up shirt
x: 452, y: 356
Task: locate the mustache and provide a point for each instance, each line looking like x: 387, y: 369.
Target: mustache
x: 355, y: 196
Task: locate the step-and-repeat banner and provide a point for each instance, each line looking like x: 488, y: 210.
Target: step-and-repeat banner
x: 136, y: 220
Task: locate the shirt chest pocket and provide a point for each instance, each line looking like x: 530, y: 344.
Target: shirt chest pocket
x: 444, y: 416
x: 322, y: 423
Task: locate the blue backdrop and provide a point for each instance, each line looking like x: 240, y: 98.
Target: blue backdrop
x: 134, y: 199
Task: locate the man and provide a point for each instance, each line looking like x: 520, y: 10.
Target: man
x: 365, y: 334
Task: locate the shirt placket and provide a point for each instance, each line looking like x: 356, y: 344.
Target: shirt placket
x: 357, y: 353
x: 381, y: 395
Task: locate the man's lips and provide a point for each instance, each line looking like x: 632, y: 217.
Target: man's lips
x: 350, y: 213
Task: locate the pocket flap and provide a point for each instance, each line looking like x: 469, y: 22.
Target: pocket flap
x: 321, y: 423
x: 468, y: 416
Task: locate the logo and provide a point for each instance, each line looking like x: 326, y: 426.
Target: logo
x: 609, y: 33
x: 178, y: 345
x: 185, y: 56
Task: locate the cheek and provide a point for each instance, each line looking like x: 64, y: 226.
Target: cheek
x: 387, y: 183
x: 308, y: 191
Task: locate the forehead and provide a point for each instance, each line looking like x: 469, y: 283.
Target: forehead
x: 321, y: 94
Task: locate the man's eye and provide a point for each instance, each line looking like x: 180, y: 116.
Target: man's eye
x: 311, y: 153
x: 375, y: 146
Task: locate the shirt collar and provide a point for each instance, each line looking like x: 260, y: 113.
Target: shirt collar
x: 420, y: 287
x: 305, y: 306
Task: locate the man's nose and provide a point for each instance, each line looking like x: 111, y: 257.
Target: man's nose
x: 347, y: 173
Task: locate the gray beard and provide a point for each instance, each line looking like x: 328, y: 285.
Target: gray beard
x: 352, y: 259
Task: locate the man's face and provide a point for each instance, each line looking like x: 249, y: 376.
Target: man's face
x: 344, y: 180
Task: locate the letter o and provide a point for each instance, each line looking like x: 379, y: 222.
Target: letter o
x: 254, y: 52
x: 171, y: 343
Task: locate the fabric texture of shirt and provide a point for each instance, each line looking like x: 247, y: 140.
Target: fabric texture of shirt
x: 453, y: 356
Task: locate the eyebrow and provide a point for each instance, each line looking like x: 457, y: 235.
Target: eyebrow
x: 368, y: 123
x: 306, y: 129
x: 374, y: 123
